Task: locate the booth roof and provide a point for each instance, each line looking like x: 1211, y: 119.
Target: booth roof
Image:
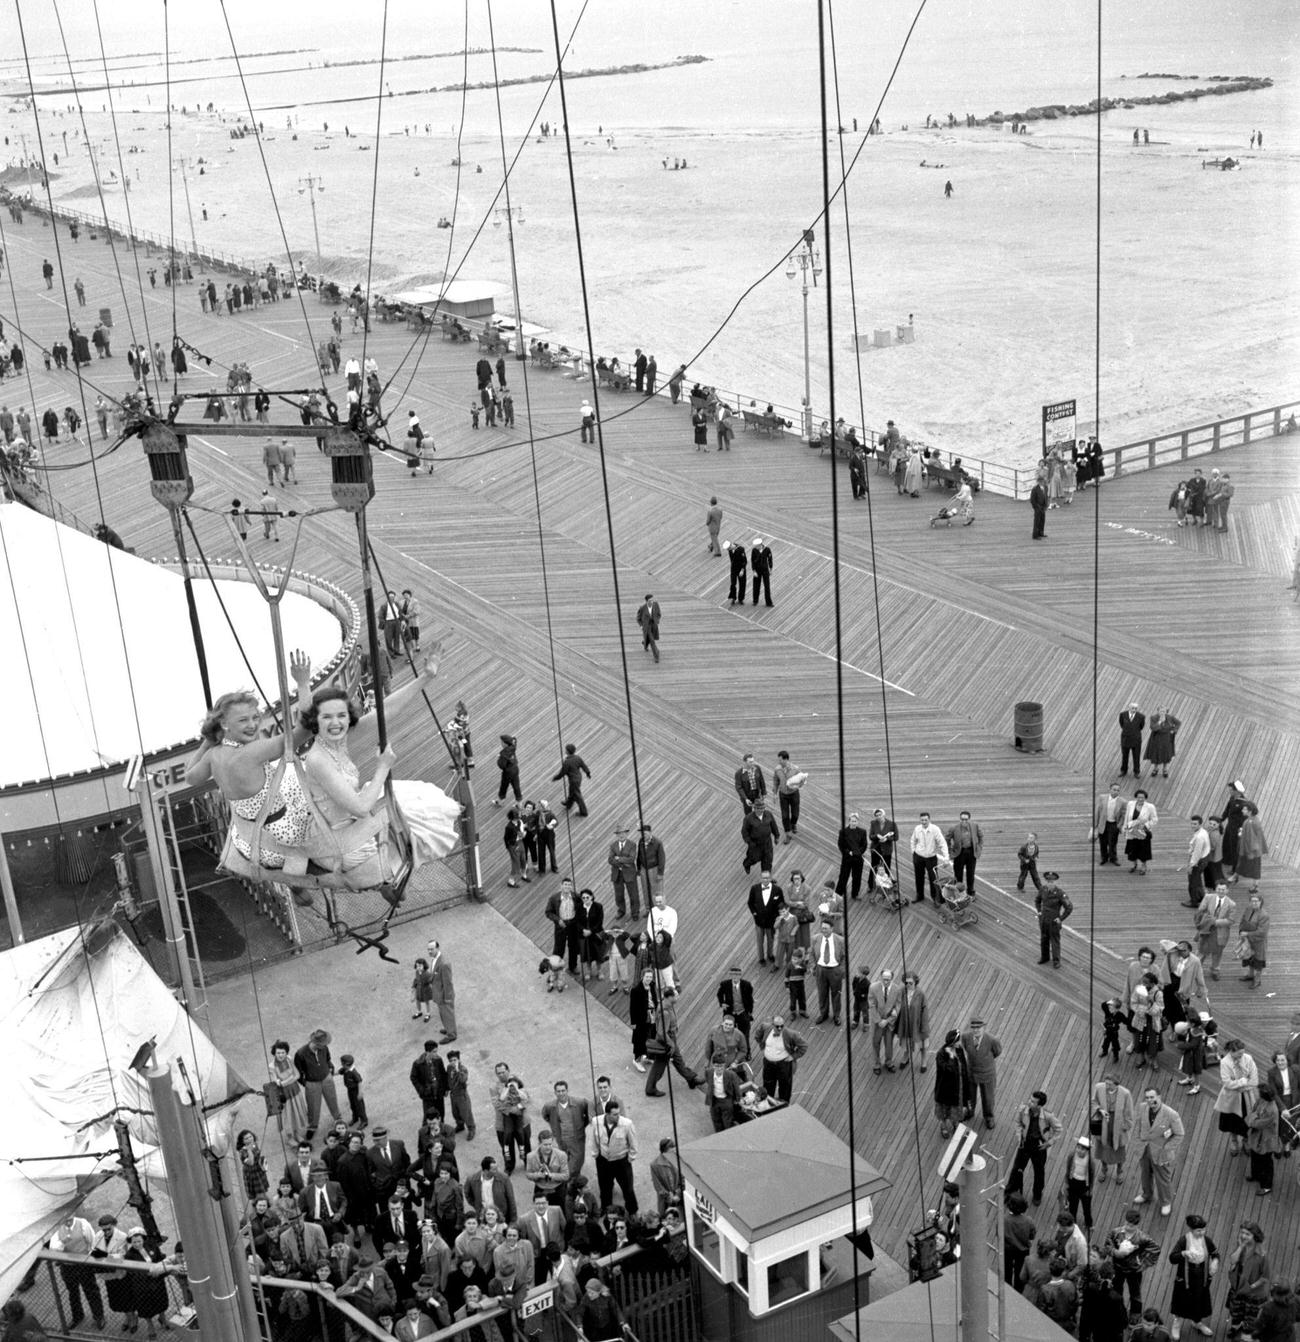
x: 927, y: 1312
x: 456, y: 291
x: 776, y: 1171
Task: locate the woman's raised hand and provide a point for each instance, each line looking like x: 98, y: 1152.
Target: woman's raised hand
x: 300, y: 666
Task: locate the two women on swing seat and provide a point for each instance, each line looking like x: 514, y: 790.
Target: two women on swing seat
x: 329, y: 825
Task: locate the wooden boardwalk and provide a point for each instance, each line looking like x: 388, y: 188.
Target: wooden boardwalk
x: 971, y: 621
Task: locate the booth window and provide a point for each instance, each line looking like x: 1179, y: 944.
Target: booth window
x: 707, y: 1243
x: 742, y: 1271
x: 787, y: 1280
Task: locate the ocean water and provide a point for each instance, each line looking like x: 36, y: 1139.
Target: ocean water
x: 1198, y: 269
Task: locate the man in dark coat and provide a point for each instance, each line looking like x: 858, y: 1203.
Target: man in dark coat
x: 760, y: 563
x: 648, y: 618
x: 739, y: 565
x: 760, y: 833
x: 751, y: 786
x: 1131, y: 723
x: 640, y: 370
x: 853, y: 848
x: 1038, y: 502
x: 571, y: 771
x: 736, y: 998
x: 508, y: 763
x: 429, y: 1080
x: 766, y: 900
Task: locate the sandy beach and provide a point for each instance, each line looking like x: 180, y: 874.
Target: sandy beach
x: 1195, y: 311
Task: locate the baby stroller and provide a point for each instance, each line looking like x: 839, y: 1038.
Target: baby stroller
x: 957, y: 907
x: 883, y: 889
x: 946, y: 514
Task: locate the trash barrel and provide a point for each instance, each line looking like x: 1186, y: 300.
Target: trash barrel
x: 1029, y: 726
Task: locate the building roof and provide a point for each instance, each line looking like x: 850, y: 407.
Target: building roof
x: 926, y: 1311
x: 776, y: 1171
x: 454, y: 291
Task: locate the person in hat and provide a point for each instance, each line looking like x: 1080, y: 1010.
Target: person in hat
x: 1054, y: 907
x: 982, y: 1053
x: 508, y: 763
x: 622, y: 873
x: 739, y: 572
x: 316, y: 1073
x: 149, y: 1291
x: 760, y: 565
x: 1235, y: 811
x: 648, y: 618
x: 652, y: 863
x: 324, y: 1201
x: 1039, y: 1129
x: 1080, y: 1174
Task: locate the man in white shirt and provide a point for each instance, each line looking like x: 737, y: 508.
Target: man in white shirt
x: 1198, y: 858
x: 828, y: 969
x: 928, y: 847
x: 781, y: 1049
x: 1108, y: 816
x: 662, y: 916
x: 353, y: 370
x: 76, y: 1235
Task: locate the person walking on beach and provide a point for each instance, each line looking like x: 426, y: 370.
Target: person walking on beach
x: 947, y: 190
x: 713, y: 521
x: 648, y: 618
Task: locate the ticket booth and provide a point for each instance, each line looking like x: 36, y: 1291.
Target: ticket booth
x: 769, y: 1212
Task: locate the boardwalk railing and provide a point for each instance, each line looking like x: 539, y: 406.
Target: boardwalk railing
x: 997, y: 477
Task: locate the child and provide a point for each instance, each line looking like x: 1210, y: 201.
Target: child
x: 795, y: 973
x: 1189, y: 1040
x: 1148, y: 1021
x: 622, y: 958
x: 1112, y: 1017
x: 1178, y: 502
x: 787, y: 928
x: 860, y: 987
x: 553, y: 967
x: 352, y: 1084
x: 1028, y: 855
x: 475, y: 409
x: 46, y: 355
x: 458, y: 1089
x: 422, y: 991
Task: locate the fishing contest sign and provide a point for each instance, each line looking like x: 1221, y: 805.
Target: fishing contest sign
x: 1059, y: 421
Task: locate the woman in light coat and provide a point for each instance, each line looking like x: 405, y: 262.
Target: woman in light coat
x: 912, y: 475
x: 1238, y: 1091
x: 1113, y: 1105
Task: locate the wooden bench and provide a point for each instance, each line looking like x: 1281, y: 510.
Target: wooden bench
x: 617, y: 380
x: 948, y: 477
x: 708, y: 404
x: 761, y: 422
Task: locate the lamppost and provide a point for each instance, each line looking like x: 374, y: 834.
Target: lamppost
x: 513, y: 212
x: 194, y: 242
x: 313, y: 184
x: 803, y: 259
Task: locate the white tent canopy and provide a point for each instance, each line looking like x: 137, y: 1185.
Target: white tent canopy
x: 100, y: 664
x: 73, y: 1012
